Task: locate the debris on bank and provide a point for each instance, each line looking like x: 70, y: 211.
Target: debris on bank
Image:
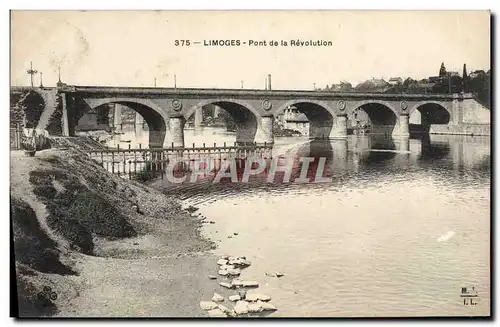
x: 242, y: 304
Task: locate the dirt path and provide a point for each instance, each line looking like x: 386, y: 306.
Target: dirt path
x: 23, y: 189
x: 154, y: 287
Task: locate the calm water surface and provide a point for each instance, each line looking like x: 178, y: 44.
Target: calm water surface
x: 402, y: 227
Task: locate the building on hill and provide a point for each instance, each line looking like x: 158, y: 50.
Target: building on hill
x: 373, y: 85
x: 298, y: 123
x: 395, y: 80
x: 293, y: 119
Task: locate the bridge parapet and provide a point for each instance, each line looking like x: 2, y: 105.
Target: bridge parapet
x: 202, y: 92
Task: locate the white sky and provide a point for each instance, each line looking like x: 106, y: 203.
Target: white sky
x: 131, y: 48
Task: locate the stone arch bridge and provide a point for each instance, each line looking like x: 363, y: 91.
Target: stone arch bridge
x: 165, y: 110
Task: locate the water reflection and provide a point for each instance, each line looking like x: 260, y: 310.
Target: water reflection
x: 358, y: 159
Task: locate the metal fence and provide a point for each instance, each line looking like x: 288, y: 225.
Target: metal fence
x: 152, y: 163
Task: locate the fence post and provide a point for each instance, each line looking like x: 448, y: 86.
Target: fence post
x: 19, y: 135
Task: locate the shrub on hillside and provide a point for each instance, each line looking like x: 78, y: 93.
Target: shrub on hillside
x: 32, y: 246
x: 77, y: 212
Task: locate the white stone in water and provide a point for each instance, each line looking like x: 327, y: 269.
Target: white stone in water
x: 212, y: 277
x: 226, y: 267
x: 254, y: 307
x: 241, y: 307
x: 223, y: 272
x: 225, y: 257
x: 208, y: 305
x: 264, y: 297
x: 194, y: 214
x: 226, y: 285
x: 217, y: 298
x: 221, y: 262
x: 244, y: 263
x: 251, y: 297
x: 234, y: 298
x: 234, y: 262
x: 250, y: 283
x: 236, y: 282
x: 279, y: 274
x: 234, y: 272
x: 216, y: 313
x: 267, y: 306
x: 227, y: 311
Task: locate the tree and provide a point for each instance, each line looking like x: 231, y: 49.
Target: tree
x: 442, y: 70
x: 465, y: 79
x: 345, y: 86
x: 407, y: 83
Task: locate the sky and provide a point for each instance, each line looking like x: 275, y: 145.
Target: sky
x: 132, y: 48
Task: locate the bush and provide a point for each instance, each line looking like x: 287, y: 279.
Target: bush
x: 78, y: 212
x: 32, y: 246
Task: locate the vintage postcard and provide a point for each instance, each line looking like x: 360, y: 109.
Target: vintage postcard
x: 236, y: 164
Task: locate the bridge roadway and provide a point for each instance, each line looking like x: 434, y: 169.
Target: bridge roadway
x: 165, y: 110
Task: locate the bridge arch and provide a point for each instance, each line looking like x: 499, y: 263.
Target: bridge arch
x: 191, y: 110
x: 245, y: 117
x: 426, y: 113
x: 153, y: 115
x: 382, y: 115
x: 320, y: 115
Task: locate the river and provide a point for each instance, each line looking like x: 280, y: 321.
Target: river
x: 400, y: 229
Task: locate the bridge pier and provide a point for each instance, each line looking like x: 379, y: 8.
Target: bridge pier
x: 139, y: 122
x: 339, y: 128
x: 65, y: 120
x: 402, y: 128
x: 217, y: 111
x: 176, y: 125
x: 265, y: 133
x: 198, y: 117
x: 340, y: 153
x: 117, y: 117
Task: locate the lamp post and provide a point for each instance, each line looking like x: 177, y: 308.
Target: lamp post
x: 31, y: 72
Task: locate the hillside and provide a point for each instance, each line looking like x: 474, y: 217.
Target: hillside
x: 67, y: 212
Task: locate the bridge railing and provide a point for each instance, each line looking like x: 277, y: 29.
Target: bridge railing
x: 146, y: 164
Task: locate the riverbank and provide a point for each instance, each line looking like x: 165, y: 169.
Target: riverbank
x: 88, y: 243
